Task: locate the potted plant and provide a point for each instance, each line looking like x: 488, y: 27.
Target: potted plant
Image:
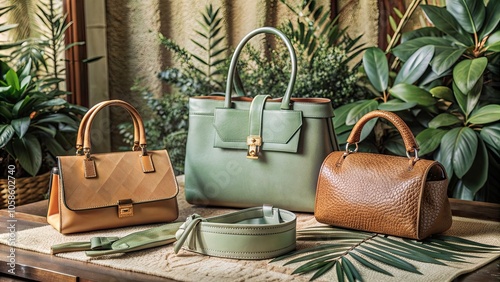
x: 33, y: 130
x: 443, y: 81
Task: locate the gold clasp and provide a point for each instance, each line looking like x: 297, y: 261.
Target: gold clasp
x: 125, y: 208
x: 254, y: 142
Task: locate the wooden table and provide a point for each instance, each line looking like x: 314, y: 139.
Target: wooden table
x: 41, y: 267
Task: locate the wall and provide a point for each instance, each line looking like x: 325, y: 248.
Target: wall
x: 134, y: 52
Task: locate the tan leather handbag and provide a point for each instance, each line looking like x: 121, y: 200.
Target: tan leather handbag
x: 99, y: 191
x: 392, y: 195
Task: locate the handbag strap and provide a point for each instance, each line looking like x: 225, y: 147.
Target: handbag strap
x: 285, y: 104
x: 254, y: 139
x: 254, y: 233
x: 408, y: 138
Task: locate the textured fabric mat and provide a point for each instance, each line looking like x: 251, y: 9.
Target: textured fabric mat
x: 187, y: 266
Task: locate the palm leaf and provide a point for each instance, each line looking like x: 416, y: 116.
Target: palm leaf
x: 367, y: 248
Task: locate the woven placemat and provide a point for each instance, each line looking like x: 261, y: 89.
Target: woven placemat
x: 187, y: 266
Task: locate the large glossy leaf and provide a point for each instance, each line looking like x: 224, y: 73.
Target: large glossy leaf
x: 443, y: 61
x: 341, y: 114
x: 445, y: 22
x: 444, y: 119
x: 367, y: 129
x: 412, y: 94
x: 486, y: 114
x: 376, y: 68
x: 442, y: 92
x: 415, y: 66
x: 477, y: 175
x: 360, y: 110
x: 491, y: 135
x: 6, y: 134
x: 29, y: 153
x: 460, y: 98
x: 430, y: 31
x: 395, y: 105
x: 493, y: 42
x: 468, y: 72
x: 429, y: 140
x: 492, y: 19
x: 406, y: 49
x: 459, y: 145
x: 470, y: 14
x: 21, y: 126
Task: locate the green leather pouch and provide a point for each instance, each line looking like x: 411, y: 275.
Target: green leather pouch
x: 244, y: 152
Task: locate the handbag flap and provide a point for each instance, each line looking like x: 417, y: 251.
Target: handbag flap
x: 119, y: 177
x: 280, y: 129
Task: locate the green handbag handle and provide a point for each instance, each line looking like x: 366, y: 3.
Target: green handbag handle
x: 285, y: 104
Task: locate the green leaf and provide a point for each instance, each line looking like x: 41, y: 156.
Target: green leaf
x: 6, y: 134
x: 388, y: 259
x: 470, y: 14
x: 460, y: 146
x: 490, y: 134
x: 54, y: 147
x: 445, y: 22
x: 303, y: 251
x: 492, y: 19
x: 444, y: 119
x: 476, y: 176
x: 406, y: 49
x: 341, y: 114
x: 340, y: 272
x: 486, y: 114
x: 323, y: 270
x: 360, y: 110
x: 367, y: 129
x: 29, y: 153
x: 351, y: 271
x: 412, y: 94
x: 396, y: 105
x: 368, y: 264
x: 429, y: 140
x: 12, y: 79
x: 405, y: 252
x: 21, y: 126
x: 460, y: 191
x: 463, y: 241
x: 376, y: 68
x: 442, y: 92
x: 443, y: 61
x: 468, y: 72
x: 415, y: 66
x: 460, y: 98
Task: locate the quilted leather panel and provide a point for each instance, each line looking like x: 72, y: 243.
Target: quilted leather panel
x: 379, y: 193
x: 119, y: 176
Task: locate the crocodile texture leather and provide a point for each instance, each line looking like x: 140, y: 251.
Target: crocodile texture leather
x: 382, y: 193
x: 86, y: 190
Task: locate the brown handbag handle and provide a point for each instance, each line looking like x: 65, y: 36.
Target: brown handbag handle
x: 139, y: 131
x: 408, y: 138
x: 83, y: 124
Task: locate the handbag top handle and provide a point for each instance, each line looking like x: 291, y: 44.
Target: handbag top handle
x: 408, y: 138
x: 86, y: 124
x: 285, y: 104
x: 83, y: 124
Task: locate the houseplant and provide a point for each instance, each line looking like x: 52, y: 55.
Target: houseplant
x: 443, y: 81
x: 36, y: 122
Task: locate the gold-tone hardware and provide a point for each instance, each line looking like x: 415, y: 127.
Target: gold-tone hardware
x: 136, y: 146
x: 254, y: 143
x: 125, y: 208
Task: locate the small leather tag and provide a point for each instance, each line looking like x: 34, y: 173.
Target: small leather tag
x: 147, y: 163
x: 89, y: 167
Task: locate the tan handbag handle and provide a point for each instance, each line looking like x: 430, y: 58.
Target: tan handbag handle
x: 408, y: 138
x: 83, y: 124
x: 86, y: 124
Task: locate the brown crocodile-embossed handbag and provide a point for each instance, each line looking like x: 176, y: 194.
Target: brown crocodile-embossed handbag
x: 108, y: 190
x: 392, y: 195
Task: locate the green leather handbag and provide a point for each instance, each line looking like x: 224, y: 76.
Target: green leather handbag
x: 244, y: 152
